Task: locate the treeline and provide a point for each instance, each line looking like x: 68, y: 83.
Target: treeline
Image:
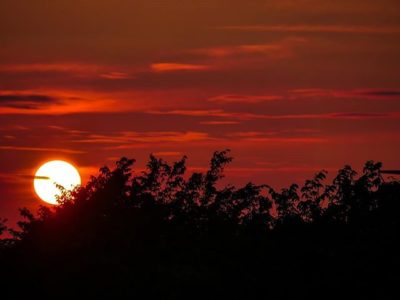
x: 168, y: 235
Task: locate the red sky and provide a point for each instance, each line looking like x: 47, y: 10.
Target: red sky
x: 290, y: 86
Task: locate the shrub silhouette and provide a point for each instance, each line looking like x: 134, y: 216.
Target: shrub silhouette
x: 162, y: 234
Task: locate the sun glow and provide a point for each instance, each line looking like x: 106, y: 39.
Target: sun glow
x: 51, y: 174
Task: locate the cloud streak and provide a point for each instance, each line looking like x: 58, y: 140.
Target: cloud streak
x: 115, y: 75
x: 129, y: 137
x: 219, y: 122
x: 176, y: 67
x: 304, y: 28
x: 40, y: 149
x: 382, y: 93
x: 353, y: 94
x: 50, y: 67
x: 248, y: 99
x: 253, y: 116
x: 26, y: 101
x: 56, y: 102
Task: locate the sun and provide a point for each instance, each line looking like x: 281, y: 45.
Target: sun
x: 51, y: 174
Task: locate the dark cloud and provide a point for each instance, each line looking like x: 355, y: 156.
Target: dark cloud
x: 31, y: 101
x: 25, y: 98
x: 383, y: 93
x: 33, y: 177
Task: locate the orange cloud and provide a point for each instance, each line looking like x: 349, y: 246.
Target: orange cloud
x: 251, y: 134
x: 194, y: 112
x: 115, y: 75
x: 172, y: 67
x: 231, y: 57
x: 219, y: 122
x: 279, y: 49
x: 231, y: 98
x: 224, y: 51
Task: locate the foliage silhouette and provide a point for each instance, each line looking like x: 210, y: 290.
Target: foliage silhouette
x: 162, y: 234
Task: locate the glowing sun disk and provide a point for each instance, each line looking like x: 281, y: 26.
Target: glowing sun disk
x: 51, y: 174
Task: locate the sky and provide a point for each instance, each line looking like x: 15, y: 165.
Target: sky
x: 291, y: 87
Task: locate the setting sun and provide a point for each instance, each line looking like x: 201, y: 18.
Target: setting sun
x: 51, y: 174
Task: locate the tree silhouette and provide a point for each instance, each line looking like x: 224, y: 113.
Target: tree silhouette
x: 164, y: 234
